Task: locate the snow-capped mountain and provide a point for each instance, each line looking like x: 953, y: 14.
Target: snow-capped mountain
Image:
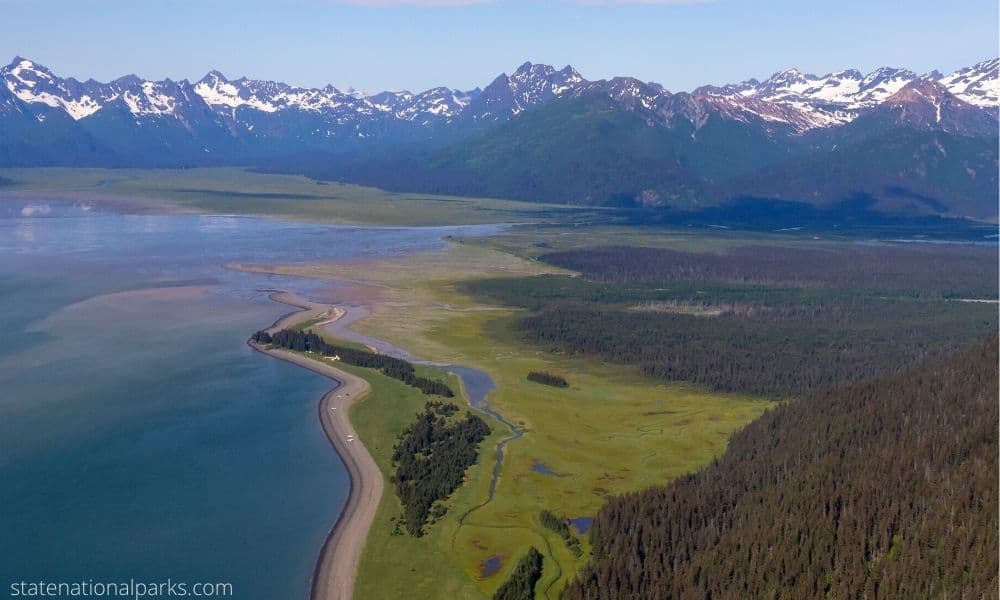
x: 267, y: 96
x: 809, y: 101
x: 894, y: 137
x: 797, y: 100
x: 528, y: 86
x: 45, y: 118
x: 978, y: 85
x: 35, y: 84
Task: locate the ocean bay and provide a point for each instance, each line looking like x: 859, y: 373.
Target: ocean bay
x: 142, y: 438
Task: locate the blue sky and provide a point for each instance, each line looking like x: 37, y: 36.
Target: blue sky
x: 416, y: 44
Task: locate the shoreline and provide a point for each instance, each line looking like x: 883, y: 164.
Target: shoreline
x: 337, y: 565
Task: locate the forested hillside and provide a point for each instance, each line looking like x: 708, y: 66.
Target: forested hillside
x: 883, y: 489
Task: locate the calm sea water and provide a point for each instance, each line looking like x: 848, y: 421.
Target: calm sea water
x: 139, y: 437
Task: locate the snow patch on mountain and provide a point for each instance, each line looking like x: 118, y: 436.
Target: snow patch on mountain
x: 33, y: 83
x: 789, y: 98
x: 978, y: 85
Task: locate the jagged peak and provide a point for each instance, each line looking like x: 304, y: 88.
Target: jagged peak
x: 215, y: 76
x: 845, y: 74
x: 525, y: 67
x: 128, y: 80
x: 789, y: 72
x: 570, y: 73
x: 21, y: 63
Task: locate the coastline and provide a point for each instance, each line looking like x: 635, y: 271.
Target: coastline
x: 337, y: 566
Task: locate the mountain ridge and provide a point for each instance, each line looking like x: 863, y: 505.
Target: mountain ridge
x: 542, y: 133
x: 834, y: 98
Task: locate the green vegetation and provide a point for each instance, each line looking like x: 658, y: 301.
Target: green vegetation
x: 883, y: 489
x: 560, y: 525
x: 403, y: 566
x: 431, y: 458
x: 761, y: 319
x: 467, y: 306
x: 905, y: 169
x: 521, y: 583
x: 645, y: 430
x: 545, y: 378
x: 303, y: 341
x: 433, y: 566
x: 913, y: 271
x: 241, y: 192
x: 776, y: 352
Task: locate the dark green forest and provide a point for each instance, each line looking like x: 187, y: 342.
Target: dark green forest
x: 521, y: 583
x: 778, y: 352
x: 560, y: 525
x: 881, y: 489
x: 761, y: 320
x: 397, y: 368
x: 546, y: 378
x: 915, y: 271
x: 431, y: 458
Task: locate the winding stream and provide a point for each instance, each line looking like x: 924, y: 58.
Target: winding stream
x: 478, y: 384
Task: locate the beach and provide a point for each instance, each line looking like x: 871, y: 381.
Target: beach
x: 333, y: 578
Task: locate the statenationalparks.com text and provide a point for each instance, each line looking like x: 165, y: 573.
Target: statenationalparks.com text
x: 131, y: 589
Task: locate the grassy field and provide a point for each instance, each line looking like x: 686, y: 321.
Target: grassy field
x: 610, y: 431
x: 423, y: 567
x: 240, y: 192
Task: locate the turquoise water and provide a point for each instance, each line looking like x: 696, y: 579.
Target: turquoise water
x: 139, y: 437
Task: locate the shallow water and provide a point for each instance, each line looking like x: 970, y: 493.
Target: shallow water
x: 491, y: 566
x: 539, y: 467
x: 582, y: 524
x: 139, y: 436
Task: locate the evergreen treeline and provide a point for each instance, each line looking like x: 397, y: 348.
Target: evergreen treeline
x: 397, y: 368
x: 431, y: 457
x: 883, y: 489
x: 521, y: 583
x: 761, y: 320
x: 949, y: 271
x: 545, y: 378
x: 560, y: 525
x: 776, y: 351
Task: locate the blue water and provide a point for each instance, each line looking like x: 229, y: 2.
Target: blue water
x: 491, y: 566
x: 582, y: 524
x: 539, y: 467
x: 139, y: 436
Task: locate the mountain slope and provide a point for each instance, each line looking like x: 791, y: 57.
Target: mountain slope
x: 589, y: 150
x: 901, y: 171
x: 815, y: 499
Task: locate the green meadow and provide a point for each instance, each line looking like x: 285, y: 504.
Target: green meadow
x: 611, y: 431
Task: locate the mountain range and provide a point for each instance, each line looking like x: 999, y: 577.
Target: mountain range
x: 895, y: 140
